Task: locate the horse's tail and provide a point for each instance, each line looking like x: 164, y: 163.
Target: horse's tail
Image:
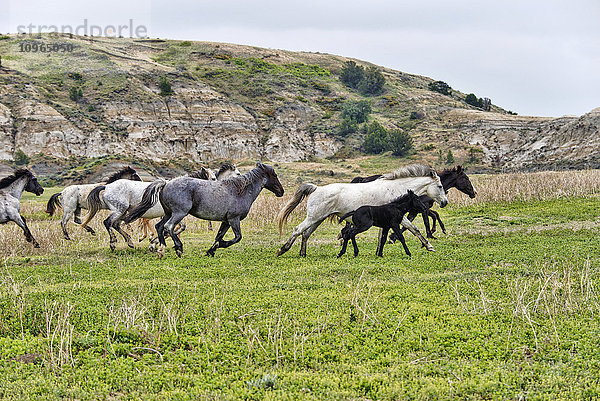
x: 53, y: 204
x: 94, y: 203
x: 149, y: 198
x: 303, y: 191
x: 344, y: 217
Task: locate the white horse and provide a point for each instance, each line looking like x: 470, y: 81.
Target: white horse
x: 74, y: 198
x: 339, y: 199
x: 11, y: 190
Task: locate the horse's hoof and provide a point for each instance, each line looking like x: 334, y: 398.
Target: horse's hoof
x: 67, y: 238
x: 280, y: 252
x: 130, y: 244
x: 36, y: 245
x: 179, y: 252
x: 429, y: 247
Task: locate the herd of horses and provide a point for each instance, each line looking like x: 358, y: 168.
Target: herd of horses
x: 387, y: 201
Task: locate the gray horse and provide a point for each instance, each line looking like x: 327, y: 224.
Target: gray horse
x: 123, y: 195
x: 11, y: 190
x: 227, y: 201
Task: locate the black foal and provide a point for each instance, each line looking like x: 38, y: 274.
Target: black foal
x: 385, y: 216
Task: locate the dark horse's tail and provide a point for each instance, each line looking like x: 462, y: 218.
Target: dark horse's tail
x: 344, y: 217
x: 149, y: 198
x: 53, y: 204
x: 303, y: 191
x: 94, y: 203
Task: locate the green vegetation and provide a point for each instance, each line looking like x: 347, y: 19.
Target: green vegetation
x: 378, y: 140
x: 399, y: 142
x: 484, y: 103
x: 75, y: 93
x: 449, y: 157
x: 367, y: 81
x: 21, y: 158
x: 356, y: 112
x: 504, y: 309
x: 440, y: 87
x: 164, y: 87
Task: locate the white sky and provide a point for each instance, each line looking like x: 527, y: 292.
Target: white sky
x: 534, y: 57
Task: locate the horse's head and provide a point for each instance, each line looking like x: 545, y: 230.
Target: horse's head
x: 272, y: 182
x: 436, y: 191
x: 33, y: 185
x: 227, y: 170
x: 463, y: 184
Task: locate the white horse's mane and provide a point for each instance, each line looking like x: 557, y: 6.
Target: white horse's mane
x: 413, y: 170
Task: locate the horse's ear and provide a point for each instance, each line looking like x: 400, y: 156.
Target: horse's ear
x: 259, y: 164
x: 459, y: 169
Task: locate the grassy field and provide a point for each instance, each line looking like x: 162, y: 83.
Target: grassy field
x: 506, y: 308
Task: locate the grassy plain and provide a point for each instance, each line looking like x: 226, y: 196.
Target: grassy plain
x: 507, y: 307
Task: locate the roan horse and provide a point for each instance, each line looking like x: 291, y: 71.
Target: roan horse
x: 119, y: 197
x: 11, y: 190
x: 74, y: 198
x: 227, y: 201
x: 343, y: 198
x: 227, y: 170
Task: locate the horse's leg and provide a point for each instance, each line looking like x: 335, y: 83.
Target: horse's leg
x: 77, y: 215
x: 160, y: 233
x: 381, y: 244
x: 21, y: 222
x: 220, y: 234
x: 306, y: 234
x: 393, y: 237
x: 345, y: 239
x: 113, y: 238
x: 180, y: 228
x: 170, y: 227
x: 210, y: 227
x: 436, y: 216
x: 63, y: 224
x: 300, y: 228
x: 428, y: 230
x: 120, y: 230
x: 396, y: 229
x: 406, y: 223
x: 237, y: 231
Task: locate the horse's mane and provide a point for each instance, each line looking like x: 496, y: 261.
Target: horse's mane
x: 6, y: 181
x: 241, y: 182
x: 225, y: 167
x: 201, y: 174
x: 413, y: 170
x: 119, y: 174
x: 451, y: 170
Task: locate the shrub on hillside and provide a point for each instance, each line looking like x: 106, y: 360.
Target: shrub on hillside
x: 357, y: 112
x: 440, y: 87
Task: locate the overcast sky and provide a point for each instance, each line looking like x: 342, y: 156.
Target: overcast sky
x: 534, y: 57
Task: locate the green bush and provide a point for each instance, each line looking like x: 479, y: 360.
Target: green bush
x: 347, y: 127
x: 440, y: 87
x: 449, y: 157
x: 21, y: 158
x: 400, y: 142
x: 357, y: 112
x: 376, y: 140
x: 372, y: 82
x: 352, y: 74
x: 165, y: 87
x: 75, y: 94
